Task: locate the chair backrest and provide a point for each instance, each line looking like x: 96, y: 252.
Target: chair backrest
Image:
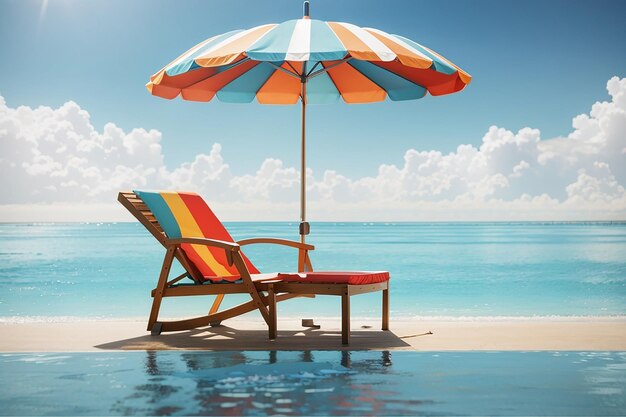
x: 184, y: 214
x: 142, y: 213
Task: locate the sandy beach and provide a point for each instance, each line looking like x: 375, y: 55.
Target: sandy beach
x: 248, y: 333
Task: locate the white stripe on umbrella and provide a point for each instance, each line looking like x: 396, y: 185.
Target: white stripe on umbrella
x: 399, y: 42
x: 231, y: 39
x: 379, y: 48
x: 300, y: 44
x: 188, y: 53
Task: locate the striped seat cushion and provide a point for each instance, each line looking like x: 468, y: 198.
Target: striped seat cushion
x: 337, y: 277
x: 183, y: 214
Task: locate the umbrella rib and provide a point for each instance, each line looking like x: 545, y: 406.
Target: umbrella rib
x: 323, y: 70
x: 334, y: 83
x: 312, y: 69
x: 286, y: 71
x: 291, y: 66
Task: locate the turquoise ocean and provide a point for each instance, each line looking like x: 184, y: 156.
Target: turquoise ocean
x: 106, y: 270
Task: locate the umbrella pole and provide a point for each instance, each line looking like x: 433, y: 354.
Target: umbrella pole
x: 304, y: 226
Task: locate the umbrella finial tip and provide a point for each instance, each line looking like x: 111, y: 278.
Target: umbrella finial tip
x: 306, y: 7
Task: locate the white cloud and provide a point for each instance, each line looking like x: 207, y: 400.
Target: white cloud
x: 52, y: 155
x: 52, y: 159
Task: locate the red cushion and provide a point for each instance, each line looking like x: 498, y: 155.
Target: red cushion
x: 337, y: 277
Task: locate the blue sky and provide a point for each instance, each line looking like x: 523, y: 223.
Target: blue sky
x: 535, y: 63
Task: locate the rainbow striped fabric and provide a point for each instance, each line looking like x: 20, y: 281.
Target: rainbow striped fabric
x: 183, y: 214
x: 270, y: 62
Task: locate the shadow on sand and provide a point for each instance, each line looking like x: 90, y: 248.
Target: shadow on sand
x: 228, y: 338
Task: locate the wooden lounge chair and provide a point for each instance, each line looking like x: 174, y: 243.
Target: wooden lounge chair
x: 185, y: 225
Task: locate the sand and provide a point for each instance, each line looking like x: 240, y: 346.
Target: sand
x: 250, y: 333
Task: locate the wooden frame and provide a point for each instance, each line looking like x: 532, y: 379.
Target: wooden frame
x: 266, y: 304
x: 345, y: 291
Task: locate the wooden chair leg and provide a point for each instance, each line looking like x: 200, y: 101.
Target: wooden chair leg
x: 304, y: 262
x: 158, y: 293
x: 385, y: 325
x: 345, y: 317
x: 216, y: 303
x: 307, y: 263
x: 271, y: 304
x: 301, y: 259
x: 245, y: 276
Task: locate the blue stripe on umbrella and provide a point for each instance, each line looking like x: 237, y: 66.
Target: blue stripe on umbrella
x: 243, y: 89
x: 321, y: 90
x: 438, y: 64
x: 189, y: 63
x: 274, y: 44
x: 325, y: 45
x: 397, y: 88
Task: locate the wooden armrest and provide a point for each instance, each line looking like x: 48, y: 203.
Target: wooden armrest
x: 276, y: 241
x: 227, y: 246
x: 231, y: 249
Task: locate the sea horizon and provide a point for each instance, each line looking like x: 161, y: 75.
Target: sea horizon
x: 385, y: 222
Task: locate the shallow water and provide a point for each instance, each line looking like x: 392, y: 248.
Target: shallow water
x: 314, y: 383
x: 437, y: 269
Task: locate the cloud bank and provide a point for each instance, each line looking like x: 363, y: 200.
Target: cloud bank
x: 54, y: 165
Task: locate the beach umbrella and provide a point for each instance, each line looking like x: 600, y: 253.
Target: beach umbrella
x: 310, y: 61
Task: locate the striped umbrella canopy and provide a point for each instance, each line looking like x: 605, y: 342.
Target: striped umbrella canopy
x: 310, y: 61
